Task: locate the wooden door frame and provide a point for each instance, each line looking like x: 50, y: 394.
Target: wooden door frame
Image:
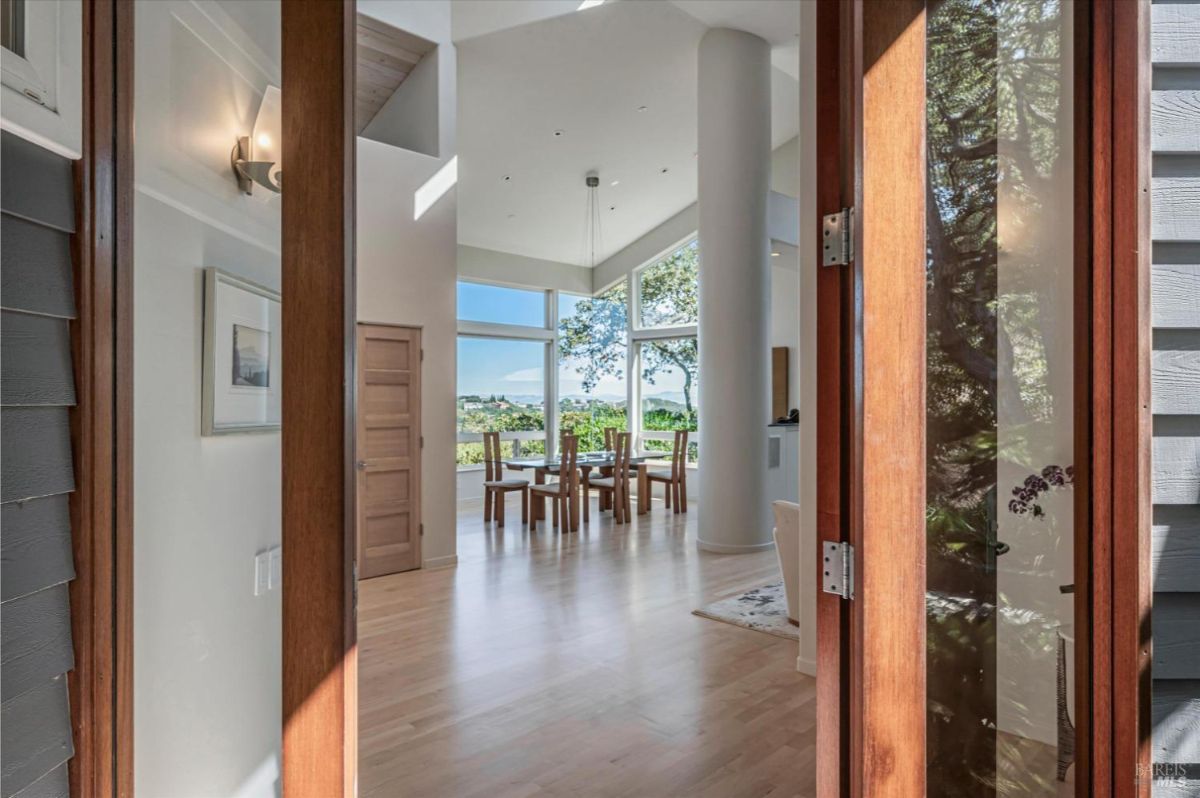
x: 1119, y: 409
x: 1112, y: 413
x: 319, y: 628
x: 101, y: 595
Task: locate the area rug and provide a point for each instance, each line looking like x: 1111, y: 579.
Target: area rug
x: 763, y: 609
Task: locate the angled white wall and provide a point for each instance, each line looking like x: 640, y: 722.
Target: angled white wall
x: 406, y: 266
x: 505, y: 268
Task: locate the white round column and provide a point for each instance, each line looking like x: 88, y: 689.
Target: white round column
x: 735, y: 308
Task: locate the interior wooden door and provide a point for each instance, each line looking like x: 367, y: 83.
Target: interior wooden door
x: 946, y: 361
x: 389, y: 449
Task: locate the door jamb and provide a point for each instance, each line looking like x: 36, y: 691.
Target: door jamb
x: 1119, y: 391
x: 101, y: 595
x: 319, y: 644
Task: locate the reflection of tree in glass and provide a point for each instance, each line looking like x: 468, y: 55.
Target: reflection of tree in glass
x: 994, y: 79
x: 594, y: 337
x: 669, y: 289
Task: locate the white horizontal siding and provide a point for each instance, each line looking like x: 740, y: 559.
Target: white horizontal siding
x: 1175, y: 372
x: 1175, y: 121
x: 1176, y: 295
x: 1175, y: 31
x: 1176, y: 468
x: 1175, y: 209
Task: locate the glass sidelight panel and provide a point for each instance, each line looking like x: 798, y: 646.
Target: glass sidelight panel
x: 1000, y: 641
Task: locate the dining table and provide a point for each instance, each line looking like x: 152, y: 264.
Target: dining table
x: 541, y: 465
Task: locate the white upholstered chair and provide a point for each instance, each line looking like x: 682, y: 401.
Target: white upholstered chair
x: 787, y: 547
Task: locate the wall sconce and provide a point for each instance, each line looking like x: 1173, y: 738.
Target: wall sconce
x: 257, y: 158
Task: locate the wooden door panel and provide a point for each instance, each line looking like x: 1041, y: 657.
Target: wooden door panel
x: 387, y: 353
x: 387, y: 486
x: 386, y: 393
x: 387, y: 540
x: 390, y: 438
x: 389, y: 448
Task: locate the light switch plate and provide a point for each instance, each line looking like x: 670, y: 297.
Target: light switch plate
x: 262, y: 572
x: 275, y: 568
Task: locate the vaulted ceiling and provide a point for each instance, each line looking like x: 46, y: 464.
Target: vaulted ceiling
x: 611, y: 88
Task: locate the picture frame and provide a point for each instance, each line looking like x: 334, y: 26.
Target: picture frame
x: 242, y: 359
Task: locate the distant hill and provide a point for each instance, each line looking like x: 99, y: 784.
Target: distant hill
x: 662, y: 402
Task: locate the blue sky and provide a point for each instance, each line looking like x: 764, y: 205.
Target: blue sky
x: 487, y: 366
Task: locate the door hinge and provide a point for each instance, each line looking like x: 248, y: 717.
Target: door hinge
x: 838, y: 569
x: 355, y: 576
x: 422, y: 355
x: 422, y: 441
x: 837, y: 234
x: 421, y: 531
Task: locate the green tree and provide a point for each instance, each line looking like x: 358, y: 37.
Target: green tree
x: 594, y: 337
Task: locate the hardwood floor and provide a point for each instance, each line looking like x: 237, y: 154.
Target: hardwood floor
x: 556, y: 665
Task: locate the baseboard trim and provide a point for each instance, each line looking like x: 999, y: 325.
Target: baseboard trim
x: 732, y: 548
x: 806, y: 666
x: 434, y: 563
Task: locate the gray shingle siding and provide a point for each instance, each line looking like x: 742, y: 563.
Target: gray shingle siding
x: 1175, y: 370
x: 37, y: 390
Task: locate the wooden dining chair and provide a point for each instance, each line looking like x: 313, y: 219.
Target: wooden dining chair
x: 674, y: 479
x: 495, y: 486
x: 610, y: 443
x: 616, y: 486
x: 561, y: 493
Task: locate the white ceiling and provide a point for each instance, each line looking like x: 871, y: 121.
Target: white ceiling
x: 587, y: 74
x: 471, y: 18
x: 777, y: 21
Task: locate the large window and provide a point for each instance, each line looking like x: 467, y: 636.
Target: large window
x: 501, y: 387
x: 495, y: 304
x: 668, y: 289
x: 592, y: 364
x: 666, y: 306
x: 669, y: 389
x: 612, y: 352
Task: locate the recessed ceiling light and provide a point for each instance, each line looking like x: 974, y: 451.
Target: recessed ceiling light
x: 641, y: 108
x: 559, y: 133
x: 512, y: 216
x: 663, y: 171
x: 507, y: 178
x: 612, y: 207
x: 586, y: 4
x: 615, y: 183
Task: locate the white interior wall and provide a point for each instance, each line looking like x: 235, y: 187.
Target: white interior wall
x: 406, y: 267
x: 505, y: 268
x: 207, y: 700
x: 785, y: 315
x: 409, y: 118
x: 785, y: 167
x: 785, y: 269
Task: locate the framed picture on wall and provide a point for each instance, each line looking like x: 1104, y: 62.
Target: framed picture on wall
x: 242, y: 346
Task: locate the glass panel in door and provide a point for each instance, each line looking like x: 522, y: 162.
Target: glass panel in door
x: 999, y: 412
